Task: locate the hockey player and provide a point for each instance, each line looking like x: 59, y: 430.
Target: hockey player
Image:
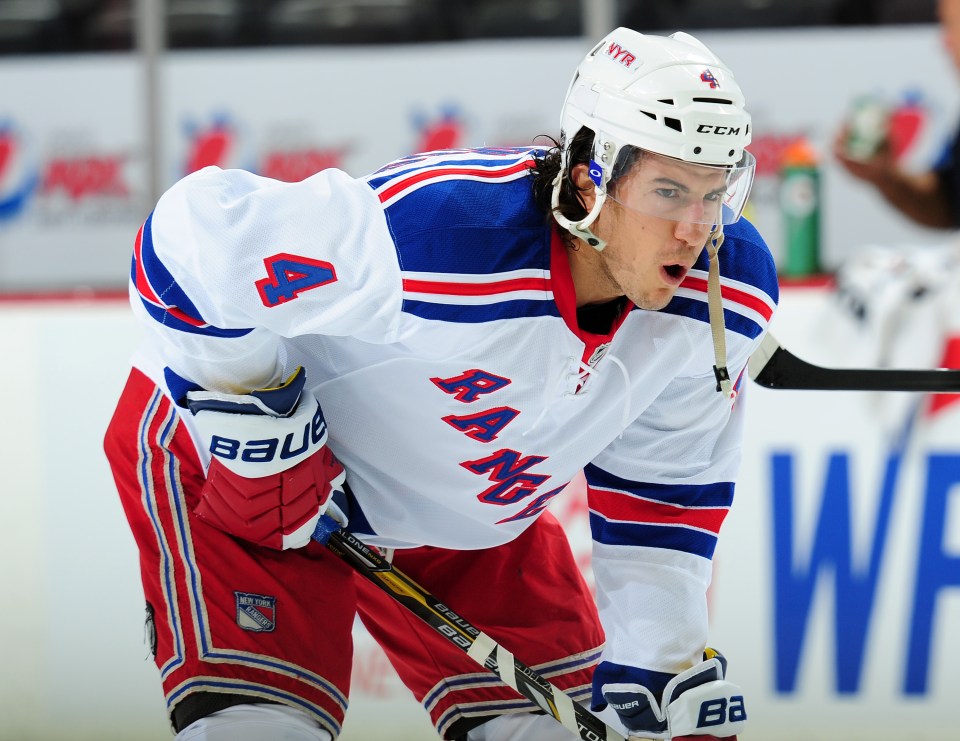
x: 478, y: 326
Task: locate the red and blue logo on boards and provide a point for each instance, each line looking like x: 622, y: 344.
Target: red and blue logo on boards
x: 18, y: 180
x: 287, y: 151
x: 210, y: 144
x: 447, y: 131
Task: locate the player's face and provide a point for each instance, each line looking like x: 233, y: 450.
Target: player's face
x: 647, y: 256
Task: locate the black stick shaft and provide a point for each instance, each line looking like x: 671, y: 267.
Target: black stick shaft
x: 775, y: 367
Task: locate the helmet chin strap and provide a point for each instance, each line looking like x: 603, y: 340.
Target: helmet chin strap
x: 579, y: 229
x: 715, y: 308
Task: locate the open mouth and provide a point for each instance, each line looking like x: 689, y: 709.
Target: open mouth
x: 673, y: 274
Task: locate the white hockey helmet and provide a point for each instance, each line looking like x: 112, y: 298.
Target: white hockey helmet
x: 667, y: 95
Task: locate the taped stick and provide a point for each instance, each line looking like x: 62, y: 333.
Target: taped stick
x: 472, y: 641
x: 775, y: 367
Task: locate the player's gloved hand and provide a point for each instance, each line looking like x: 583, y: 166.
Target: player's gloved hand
x: 698, y: 704
x: 271, y: 474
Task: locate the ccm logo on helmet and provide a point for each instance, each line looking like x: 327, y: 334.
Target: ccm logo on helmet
x: 623, y: 56
x: 710, y: 129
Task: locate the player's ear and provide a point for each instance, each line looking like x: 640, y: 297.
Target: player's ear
x: 580, y: 175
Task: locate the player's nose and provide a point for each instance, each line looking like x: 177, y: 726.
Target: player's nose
x: 691, y: 232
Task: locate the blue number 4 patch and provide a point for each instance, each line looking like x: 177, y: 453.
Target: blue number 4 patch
x: 290, y: 275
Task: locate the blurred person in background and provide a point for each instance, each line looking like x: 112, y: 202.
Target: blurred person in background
x: 480, y: 326
x: 930, y: 198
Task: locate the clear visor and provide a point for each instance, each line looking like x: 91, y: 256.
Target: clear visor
x: 656, y: 185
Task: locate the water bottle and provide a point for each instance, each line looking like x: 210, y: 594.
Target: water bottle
x: 867, y: 127
x: 800, y: 206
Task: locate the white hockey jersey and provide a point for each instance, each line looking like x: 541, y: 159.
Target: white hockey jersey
x: 432, y: 306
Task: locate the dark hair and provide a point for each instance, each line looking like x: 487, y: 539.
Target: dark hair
x: 545, y: 172
x: 581, y: 152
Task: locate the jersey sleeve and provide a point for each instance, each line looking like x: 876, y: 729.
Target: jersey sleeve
x: 230, y: 264
x: 654, y: 518
x: 659, y: 494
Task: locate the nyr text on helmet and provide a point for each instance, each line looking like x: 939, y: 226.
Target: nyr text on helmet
x: 623, y: 56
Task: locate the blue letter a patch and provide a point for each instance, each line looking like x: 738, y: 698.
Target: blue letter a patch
x: 256, y: 612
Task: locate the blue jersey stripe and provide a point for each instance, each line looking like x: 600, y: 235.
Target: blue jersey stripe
x: 168, y: 296
x: 685, y: 495
x: 477, y: 314
x: 695, y: 309
x: 695, y: 542
x: 162, y: 316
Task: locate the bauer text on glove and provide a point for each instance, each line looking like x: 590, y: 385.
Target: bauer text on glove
x: 271, y: 474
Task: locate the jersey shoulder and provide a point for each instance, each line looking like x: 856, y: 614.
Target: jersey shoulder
x: 746, y: 258
x: 467, y: 211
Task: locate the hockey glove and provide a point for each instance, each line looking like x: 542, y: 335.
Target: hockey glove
x: 271, y: 474
x: 698, y: 704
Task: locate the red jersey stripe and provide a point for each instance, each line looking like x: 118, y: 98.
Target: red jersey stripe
x: 146, y: 290
x: 143, y: 285
x: 622, y: 507
x: 732, y: 294
x: 480, y: 172
x: 476, y: 289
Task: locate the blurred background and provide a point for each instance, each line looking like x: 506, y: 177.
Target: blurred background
x: 105, y: 103
x: 835, y: 594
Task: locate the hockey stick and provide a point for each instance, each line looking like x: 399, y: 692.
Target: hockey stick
x: 474, y: 642
x: 775, y: 367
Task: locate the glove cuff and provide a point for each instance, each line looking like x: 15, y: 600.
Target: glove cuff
x: 279, y: 401
x: 698, y: 702
x: 637, y: 708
